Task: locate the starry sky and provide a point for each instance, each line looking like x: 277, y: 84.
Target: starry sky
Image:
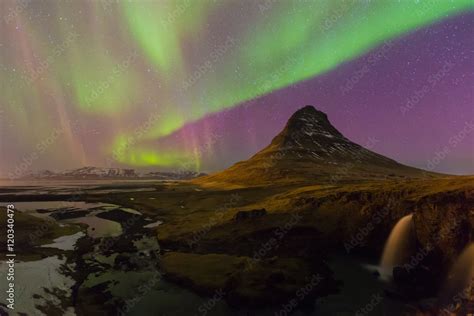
x: 199, y: 85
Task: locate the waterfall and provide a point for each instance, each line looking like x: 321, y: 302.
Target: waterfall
x: 459, y: 284
x: 399, y: 245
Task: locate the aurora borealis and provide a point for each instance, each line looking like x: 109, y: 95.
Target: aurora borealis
x: 202, y: 84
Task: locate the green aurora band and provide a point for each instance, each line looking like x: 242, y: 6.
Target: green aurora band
x: 194, y: 58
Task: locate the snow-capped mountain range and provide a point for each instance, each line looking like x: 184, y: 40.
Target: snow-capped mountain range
x: 110, y: 173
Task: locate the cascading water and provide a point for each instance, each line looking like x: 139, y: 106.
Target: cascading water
x: 459, y: 285
x: 398, y: 246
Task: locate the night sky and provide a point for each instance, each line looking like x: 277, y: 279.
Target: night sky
x: 202, y: 84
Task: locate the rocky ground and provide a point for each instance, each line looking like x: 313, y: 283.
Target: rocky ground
x: 213, y: 232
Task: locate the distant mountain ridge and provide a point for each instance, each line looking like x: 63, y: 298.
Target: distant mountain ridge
x: 310, y: 148
x: 93, y: 173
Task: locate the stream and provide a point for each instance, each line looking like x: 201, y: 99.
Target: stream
x: 135, y: 288
x: 119, y: 265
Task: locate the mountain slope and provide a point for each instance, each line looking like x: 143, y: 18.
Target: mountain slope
x: 310, y: 149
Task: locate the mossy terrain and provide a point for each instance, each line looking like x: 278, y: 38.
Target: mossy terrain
x: 205, y: 244
x: 207, y: 248
x: 205, y: 214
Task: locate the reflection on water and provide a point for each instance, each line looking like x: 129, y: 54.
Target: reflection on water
x: 131, y: 211
x: 65, y: 242
x: 360, y: 287
x: 99, y: 227
x: 146, y: 293
x: 171, y: 300
x: 31, y: 280
x: 50, y: 206
x: 152, y: 225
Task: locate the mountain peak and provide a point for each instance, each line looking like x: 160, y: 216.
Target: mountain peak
x: 304, y: 127
x: 308, y: 110
x: 310, y: 149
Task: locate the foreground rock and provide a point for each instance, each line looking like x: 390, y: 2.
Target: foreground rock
x: 357, y: 219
